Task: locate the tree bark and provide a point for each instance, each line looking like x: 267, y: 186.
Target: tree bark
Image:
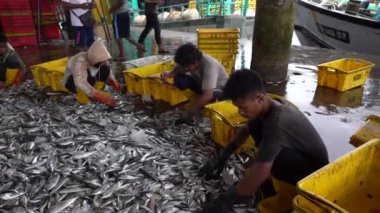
x: 273, y: 30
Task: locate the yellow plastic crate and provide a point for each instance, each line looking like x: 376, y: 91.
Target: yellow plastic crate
x: 326, y: 96
x: 303, y: 205
x: 136, y: 79
x: 220, y: 51
x: 228, y: 65
x: 51, y: 65
x: 350, y: 184
x: 344, y: 74
x: 218, y: 33
x: 10, y: 76
x: 218, y: 46
x: 225, y: 124
x: 55, y: 78
x: 206, y: 41
x: 40, y: 71
x: 165, y: 92
x: 226, y: 121
x: 369, y: 131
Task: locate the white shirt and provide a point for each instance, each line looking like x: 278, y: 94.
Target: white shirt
x: 74, y: 20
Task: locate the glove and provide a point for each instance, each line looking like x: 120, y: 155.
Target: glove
x: 182, y: 120
x: 222, y: 203
x: 18, y: 79
x: 115, y: 85
x: 213, y: 168
x: 2, y: 85
x: 104, y: 99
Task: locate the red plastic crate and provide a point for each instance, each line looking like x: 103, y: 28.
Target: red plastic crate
x: 18, y: 41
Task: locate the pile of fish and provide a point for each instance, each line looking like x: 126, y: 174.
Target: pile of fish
x: 59, y: 156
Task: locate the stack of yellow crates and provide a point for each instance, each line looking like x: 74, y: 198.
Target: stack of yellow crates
x: 50, y: 74
x: 222, y: 44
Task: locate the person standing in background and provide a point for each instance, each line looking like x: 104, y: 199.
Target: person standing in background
x: 84, y: 35
x: 121, y: 27
x: 151, y: 13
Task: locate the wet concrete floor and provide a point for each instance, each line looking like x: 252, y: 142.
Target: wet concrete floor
x: 335, y: 115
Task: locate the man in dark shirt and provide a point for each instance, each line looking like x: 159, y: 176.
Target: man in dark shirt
x: 289, y: 146
x: 151, y: 13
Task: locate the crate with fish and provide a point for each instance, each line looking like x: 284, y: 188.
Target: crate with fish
x: 166, y: 91
x: 344, y: 74
x: 350, y: 184
x: 225, y: 123
x: 136, y: 79
x: 218, y: 33
x: 369, y: 131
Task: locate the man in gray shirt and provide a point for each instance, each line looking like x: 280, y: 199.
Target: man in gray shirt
x: 199, y: 72
x: 289, y: 146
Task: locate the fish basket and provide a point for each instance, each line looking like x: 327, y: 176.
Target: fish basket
x: 136, y: 79
x: 344, y: 74
x: 350, y: 184
x: 369, y: 131
x: 55, y: 78
x: 225, y: 123
x: 165, y: 91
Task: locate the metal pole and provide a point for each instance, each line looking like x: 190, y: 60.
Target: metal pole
x: 38, y: 22
x: 105, y: 25
x: 57, y: 18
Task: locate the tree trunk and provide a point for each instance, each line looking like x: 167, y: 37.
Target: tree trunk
x: 273, y: 30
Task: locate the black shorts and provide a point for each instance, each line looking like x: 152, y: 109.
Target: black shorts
x: 121, y: 25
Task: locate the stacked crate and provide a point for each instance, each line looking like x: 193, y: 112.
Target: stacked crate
x: 17, y: 21
x: 49, y: 22
x: 222, y: 44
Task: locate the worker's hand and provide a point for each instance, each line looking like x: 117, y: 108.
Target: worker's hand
x: 104, y: 99
x: 221, y: 203
x: 115, y: 85
x: 88, y: 5
x: 164, y: 76
x: 212, y: 169
x: 186, y: 118
x: 18, y: 78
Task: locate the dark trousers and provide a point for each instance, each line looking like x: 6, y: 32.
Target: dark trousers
x: 100, y: 76
x: 84, y: 36
x: 183, y: 81
x: 151, y: 23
